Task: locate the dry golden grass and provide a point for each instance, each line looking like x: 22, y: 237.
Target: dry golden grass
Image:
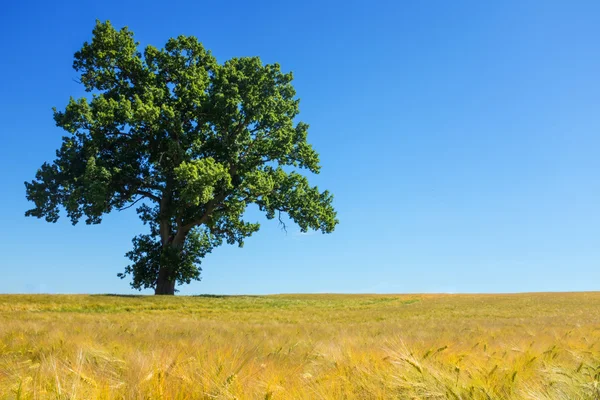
x: 526, y: 346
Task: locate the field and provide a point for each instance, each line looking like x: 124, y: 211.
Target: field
x: 524, y: 346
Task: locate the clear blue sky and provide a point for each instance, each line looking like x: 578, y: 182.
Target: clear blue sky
x: 461, y: 140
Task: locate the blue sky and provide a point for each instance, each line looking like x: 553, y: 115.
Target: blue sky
x: 460, y: 140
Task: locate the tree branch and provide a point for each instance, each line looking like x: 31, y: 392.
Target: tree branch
x: 131, y: 205
x: 281, y: 222
x: 256, y: 139
x: 210, y: 206
x: 148, y: 195
x: 240, y: 128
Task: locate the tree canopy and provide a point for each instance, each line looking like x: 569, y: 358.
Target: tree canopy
x: 189, y: 141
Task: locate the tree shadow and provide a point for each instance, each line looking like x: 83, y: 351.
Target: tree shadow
x: 206, y: 296
x: 222, y: 296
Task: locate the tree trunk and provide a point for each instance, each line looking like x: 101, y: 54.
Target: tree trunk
x: 164, y: 286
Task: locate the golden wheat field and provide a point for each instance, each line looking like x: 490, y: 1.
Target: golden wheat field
x: 522, y: 346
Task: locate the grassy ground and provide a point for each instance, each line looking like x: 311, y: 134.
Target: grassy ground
x: 532, y: 346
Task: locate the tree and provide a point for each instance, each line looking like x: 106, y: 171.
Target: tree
x: 192, y: 142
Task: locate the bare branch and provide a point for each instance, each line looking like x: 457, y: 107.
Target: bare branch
x: 148, y: 195
x: 127, y: 134
x: 131, y: 205
x: 283, y: 226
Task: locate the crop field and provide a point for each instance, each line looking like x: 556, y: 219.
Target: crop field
x: 522, y: 346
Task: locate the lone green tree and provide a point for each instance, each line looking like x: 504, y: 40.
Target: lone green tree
x: 189, y: 141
